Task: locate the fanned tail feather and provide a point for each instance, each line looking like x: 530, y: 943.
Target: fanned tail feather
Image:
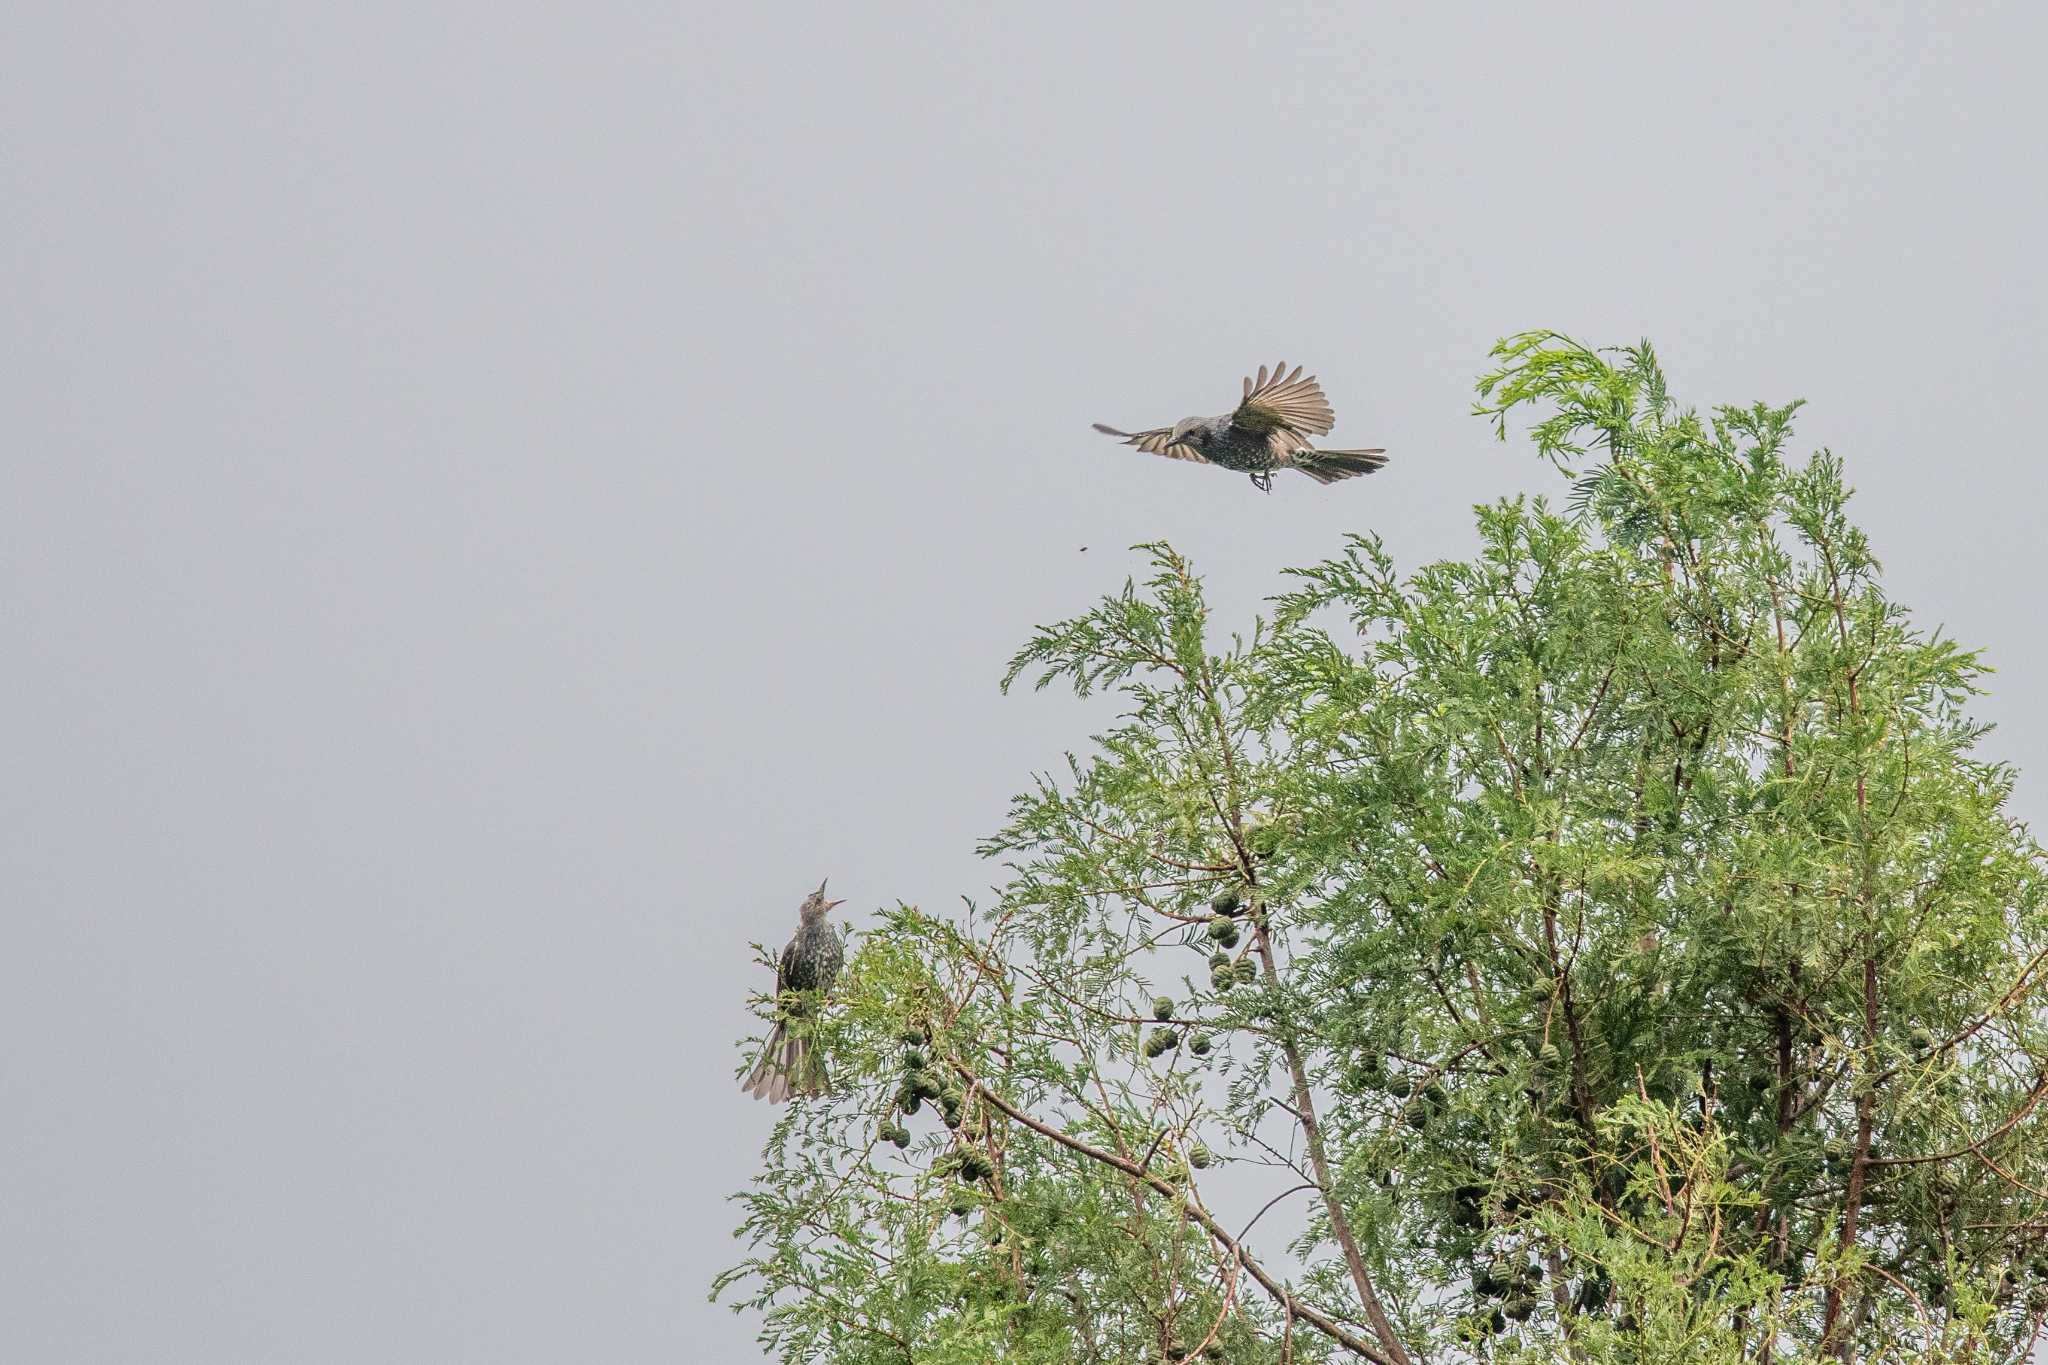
x: 788, y: 1066
x: 1328, y: 466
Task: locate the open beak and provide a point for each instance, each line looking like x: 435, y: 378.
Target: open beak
x: 830, y: 904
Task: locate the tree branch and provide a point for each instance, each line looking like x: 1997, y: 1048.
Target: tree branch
x: 1193, y: 1213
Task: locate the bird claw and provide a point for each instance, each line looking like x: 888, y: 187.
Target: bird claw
x: 1263, y: 482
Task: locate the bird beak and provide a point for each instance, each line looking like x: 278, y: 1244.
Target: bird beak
x: 821, y: 888
x: 830, y: 904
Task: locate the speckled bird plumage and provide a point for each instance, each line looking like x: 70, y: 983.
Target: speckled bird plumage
x: 1268, y: 430
x: 808, y: 966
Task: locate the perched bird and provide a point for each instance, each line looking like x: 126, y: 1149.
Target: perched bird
x: 809, y: 964
x: 1268, y: 430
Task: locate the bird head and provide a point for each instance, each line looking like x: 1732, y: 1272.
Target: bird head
x: 1186, y: 427
x: 815, y: 904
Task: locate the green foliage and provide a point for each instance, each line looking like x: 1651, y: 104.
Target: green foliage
x: 1640, y: 964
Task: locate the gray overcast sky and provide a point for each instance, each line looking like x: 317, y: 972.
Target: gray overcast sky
x: 497, y: 499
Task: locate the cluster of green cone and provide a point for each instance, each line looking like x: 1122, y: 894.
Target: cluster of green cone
x: 922, y: 1081
x: 970, y: 1166
x: 1224, y: 912
x: 1513, y: 1290
x: 1166, y: 1037
x: 1372, y: 1074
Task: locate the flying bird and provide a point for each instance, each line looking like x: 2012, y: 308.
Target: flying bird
x: 790, y: 1064
x: 1268, y: 430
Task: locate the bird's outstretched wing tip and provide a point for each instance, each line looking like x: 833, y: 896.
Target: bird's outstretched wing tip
x: 1279, y: 397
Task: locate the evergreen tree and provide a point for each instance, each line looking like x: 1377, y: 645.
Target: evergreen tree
x: 1608, y: 948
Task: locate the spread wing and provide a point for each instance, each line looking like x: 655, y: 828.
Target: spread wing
x: 1283, y: 402
x: 1157, y: 441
